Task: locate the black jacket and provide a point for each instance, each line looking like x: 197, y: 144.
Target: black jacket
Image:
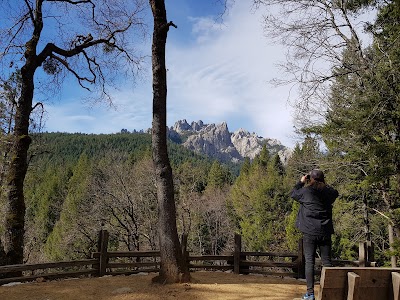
x: 315, y: 213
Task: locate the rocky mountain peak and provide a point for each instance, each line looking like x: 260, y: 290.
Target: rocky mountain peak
x: 213, y: 140
x: 181, y: 126
x: 197, y: 126
x: 248, y: 144
x: 216, y: 141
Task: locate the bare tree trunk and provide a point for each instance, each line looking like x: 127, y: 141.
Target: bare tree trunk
x: 31, y: 19
x: 15, y: 213
x: 172, y: 262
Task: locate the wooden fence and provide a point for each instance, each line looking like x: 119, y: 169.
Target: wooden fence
x: 104, y: 262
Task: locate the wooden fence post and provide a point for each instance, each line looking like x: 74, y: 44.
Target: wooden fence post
x: 370, y: 253
x: 185, y: 254
x: 301, y: 262
x: 396, y: 285
x: 362, y: 255
x: 365, y: 254
x: 102, y: 248
x: 236, y: 254
x: 353, y: 283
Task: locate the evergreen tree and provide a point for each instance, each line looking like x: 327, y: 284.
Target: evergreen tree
x: 46, y: 189
x: 245, y: 168
x: 262, y: 158
x: 362, y: 128
x: 260, y: 203
x: 218, y: 176
x: 67, y: 239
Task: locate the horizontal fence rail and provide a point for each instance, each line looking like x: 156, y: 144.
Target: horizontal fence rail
x: 86, y: 267
x: 210, y: 262
x: 128, y: 263
x: 106, y: 262
x: 268, y: 263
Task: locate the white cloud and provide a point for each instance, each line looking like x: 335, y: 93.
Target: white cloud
x: 205, y: 28
x: 220, y: 74
x: 226, y: 77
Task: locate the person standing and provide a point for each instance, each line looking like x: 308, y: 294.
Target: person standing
x: 314, y: 220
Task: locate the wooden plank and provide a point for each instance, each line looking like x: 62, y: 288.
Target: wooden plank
x: 103, y: 245
x: 236, y: 255
x: 53, y: 265
x: 211, y: 257
x: 48, y: 276
x: 375, y: 283
x: 268, y: 264
x: 273, y: 254
x: 344, y: 262
x: 130, y: 272
x: 208, y: 267
x: 362, y: 255
x: 370, y: 276
x: 185, y: 253
x: 328, y: 290
x: 134, y: 254
x: 353, y: 286
x: 133, y: 265
x: 396, y: 285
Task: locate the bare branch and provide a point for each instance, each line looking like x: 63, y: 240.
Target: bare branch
x: 72, y: 1
x: 80, y: 79
x: 383, y: 215
x: 30, y: 11
x: 36, y: 105
x: 87, y: 42
x: 172, y: 24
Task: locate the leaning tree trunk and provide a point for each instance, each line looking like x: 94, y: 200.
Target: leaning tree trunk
x: 15, y: 214
x: 172, y: 263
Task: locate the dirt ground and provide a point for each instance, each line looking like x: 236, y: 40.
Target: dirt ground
x: 204, y: 286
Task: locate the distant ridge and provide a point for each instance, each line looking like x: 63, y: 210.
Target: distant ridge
x: 215, y: 140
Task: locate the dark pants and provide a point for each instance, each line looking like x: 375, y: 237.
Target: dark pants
x: 310, y: 245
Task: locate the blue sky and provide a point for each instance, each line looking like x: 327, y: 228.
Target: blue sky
x: 217, y: 72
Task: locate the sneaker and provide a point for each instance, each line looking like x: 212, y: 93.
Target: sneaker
x: 308, y: 296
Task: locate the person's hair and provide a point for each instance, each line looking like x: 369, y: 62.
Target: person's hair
x: 319, y: 185
x: 317, y: 175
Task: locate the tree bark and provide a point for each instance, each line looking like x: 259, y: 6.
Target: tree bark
x: 172, y: 262
x: 13, y: 242
x: 15, y: 213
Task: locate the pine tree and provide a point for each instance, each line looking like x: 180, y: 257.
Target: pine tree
x: 362, y: 129
x: 260, y: 203
x: 218, y: 176
x: 66, y: 239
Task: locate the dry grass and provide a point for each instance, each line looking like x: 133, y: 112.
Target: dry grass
x: 204, y: 286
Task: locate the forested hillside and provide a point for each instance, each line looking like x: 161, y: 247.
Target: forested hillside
x: 78, y: 184
x: 348, y: 118
x: 65, y: 147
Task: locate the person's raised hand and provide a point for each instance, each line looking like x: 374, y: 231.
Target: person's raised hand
x: 304, y: 179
